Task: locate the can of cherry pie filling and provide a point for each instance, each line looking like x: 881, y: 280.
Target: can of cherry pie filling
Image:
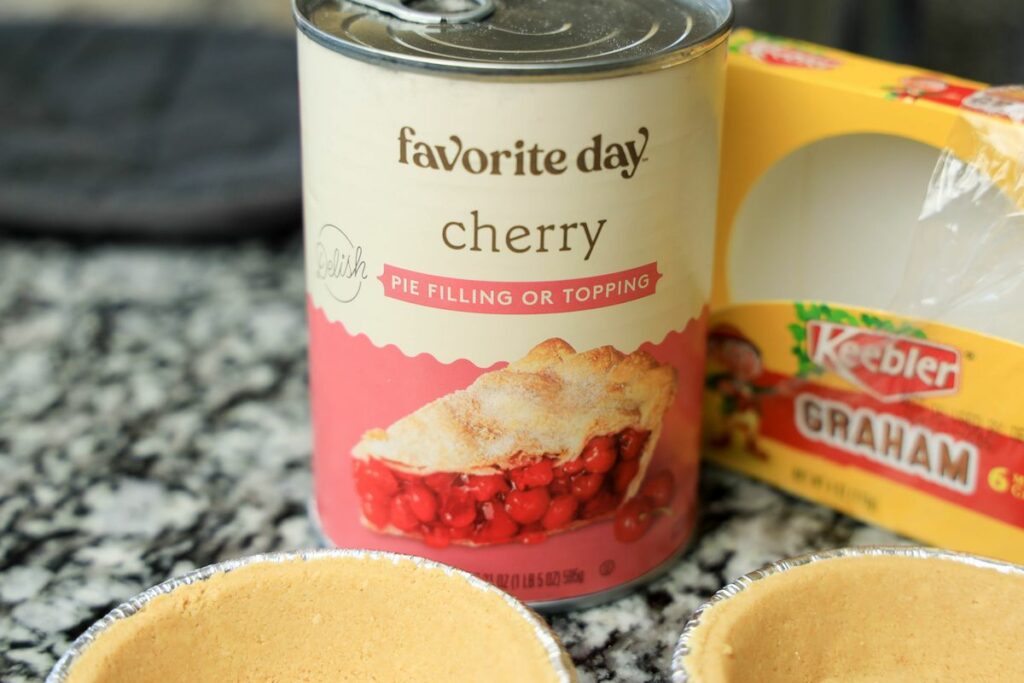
x: 509, y: 223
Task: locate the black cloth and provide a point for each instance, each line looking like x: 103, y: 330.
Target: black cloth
x: 178, y: 132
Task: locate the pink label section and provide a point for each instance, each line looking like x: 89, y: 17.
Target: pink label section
x: 519, y: 298
x: 357, y: 386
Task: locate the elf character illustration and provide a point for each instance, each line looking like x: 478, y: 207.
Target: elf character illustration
x: 732, y: 400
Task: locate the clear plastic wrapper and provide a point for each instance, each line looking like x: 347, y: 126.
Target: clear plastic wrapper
x: 967, y: 263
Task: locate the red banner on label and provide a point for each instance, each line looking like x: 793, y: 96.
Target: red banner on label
x: 519, y: 298
x: 951, y: 459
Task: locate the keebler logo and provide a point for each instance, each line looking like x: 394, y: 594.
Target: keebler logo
x: 777, y: 54
x: 888, y: 366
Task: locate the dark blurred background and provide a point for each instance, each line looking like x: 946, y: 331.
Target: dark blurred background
x: 178, y: 118
x: 979, y: 39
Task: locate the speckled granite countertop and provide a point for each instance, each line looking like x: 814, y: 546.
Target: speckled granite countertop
x: 153, y: 419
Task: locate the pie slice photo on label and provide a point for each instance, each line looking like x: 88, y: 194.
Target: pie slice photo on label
x: 554, y: 441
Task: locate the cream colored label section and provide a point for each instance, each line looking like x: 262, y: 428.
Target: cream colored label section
x: 525, y: 183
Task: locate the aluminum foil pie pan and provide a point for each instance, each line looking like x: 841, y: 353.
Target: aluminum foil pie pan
x: 683, y: 646
x: 558, y: 658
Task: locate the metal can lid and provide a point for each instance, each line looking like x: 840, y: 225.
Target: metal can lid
x: 517, y: 37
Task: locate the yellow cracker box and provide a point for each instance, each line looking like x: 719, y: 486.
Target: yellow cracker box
x: 912, y: 420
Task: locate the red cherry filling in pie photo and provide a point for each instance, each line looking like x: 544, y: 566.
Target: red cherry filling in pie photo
x: 552, y: 442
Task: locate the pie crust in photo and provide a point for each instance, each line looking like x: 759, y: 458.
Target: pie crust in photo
x: 551, y: 442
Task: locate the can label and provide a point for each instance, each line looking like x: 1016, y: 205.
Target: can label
x: 906, y: 422
x: 507, y: 290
